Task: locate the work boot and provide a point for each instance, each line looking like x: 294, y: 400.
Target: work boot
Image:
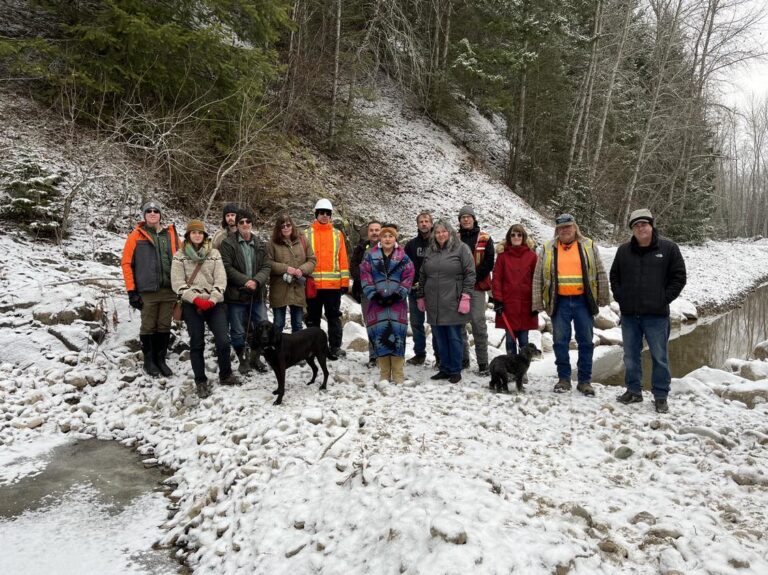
x: 585, y: 387
x: 661, y: 405
x: 417, y: 359
x: 398, y: 368
x: 243, y: 368
x: 456, y: 378
x: 385, y: 367
x: 203, y: 388
x: 149, y: 360
x: 160, y: 343
x: 229, y: 379
x: 256, y: 362
x: 336, y: 353
x: 440, y: 375
x: 562, y: 386
x: 629, y: 397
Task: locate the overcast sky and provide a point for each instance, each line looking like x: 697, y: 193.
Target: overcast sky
x: 751, y: 79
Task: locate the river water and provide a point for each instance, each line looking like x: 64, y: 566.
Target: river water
x: 712, y: 340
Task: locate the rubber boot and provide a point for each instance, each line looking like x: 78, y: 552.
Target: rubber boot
x: 149, y: 359
x: 256, y: 362
x: 398, y: 368
x: 385, y: 367
x: 160, y: 343
x: 243, y: 368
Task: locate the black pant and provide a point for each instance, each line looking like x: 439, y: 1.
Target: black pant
x: 216, y: 318
x: 331, y: 299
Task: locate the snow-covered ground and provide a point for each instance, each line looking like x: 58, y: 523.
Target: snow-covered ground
x: 374, y: 478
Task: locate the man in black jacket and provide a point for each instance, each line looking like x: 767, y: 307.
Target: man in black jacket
x: 416, y: 249
x: 647, y: 274
x: 373, y: 229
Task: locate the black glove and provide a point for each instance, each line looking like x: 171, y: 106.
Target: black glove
x: 344, y: 291
x: 387, y: 300
x: 395, y: 297
x: 498, y: 306
x: 378, y: 298
x: 535, y: 312
x: 134, y: 299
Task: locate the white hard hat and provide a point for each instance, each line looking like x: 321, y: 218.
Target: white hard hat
x: 323, y: 204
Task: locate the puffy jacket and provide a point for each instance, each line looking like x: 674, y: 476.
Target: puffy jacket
x: 446, y: 274
x: 647, y: 280
x: 332, y: 269
x: 210, y: 282
x: 513, y: 287
x: 416, y: 249
x: 234, y: 265
x: 289, y: 253
x: 141, y: 264
x: 358, y: 254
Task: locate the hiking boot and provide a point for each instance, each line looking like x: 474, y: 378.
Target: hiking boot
x: 243, y: 368
x: 482, y: 368
x: 203, y: 388
x: 562, y: 386
x: 440, y: 375
x: 336, y: 353
x: 629, y: 397
x: 661, y: 405
x: 455, y: 378
x: 417, y: 360
x: 229, y: 379
x: 586, y: 388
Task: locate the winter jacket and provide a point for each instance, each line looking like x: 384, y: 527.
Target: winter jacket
x: 210, y: 282
x: 594, y: 277
x: 234, y: 265
x: 358, y: 254
x: 219, y: 237
x: 445, y: 274
x: 646, y: 280
x: 141, y: 261
x: 330, y: 249
x: 513, y: 287
x: 483, y: 257
x: 416, y: 249
x: 289, y: 253
x: 387, y: 325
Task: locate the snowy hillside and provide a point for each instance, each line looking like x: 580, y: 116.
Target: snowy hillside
x: 373, y: 478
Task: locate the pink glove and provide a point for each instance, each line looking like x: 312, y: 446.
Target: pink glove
x: 464, y: 303
x: 421, y: 303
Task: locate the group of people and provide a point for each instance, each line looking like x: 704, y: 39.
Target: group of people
x: 441, y: 277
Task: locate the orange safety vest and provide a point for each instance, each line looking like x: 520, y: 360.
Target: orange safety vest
x: 332, y: 269
x: 570, y: 279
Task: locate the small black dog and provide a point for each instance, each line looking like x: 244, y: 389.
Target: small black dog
x: 516, y: 365
x: 283, y: 351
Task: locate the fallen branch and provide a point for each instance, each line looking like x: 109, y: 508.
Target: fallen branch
x: 331, y: 444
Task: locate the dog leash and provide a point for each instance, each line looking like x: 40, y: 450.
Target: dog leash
x: 509, y: 329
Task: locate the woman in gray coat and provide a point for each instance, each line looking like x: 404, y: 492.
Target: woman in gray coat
x: 446, y: 280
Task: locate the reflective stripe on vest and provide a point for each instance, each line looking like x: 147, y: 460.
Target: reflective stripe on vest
x: 550, y: 282
x: 334, y: 274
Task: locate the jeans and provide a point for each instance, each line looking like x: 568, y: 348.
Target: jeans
x: 417, y: 320
x: 237, y: 315
x: 216, y: 318
x: 331, y: 300
x: 573, y: 309
x: 297, y: 316
x: 514, y: 343
x: 479, y: 328
x: 449, y: 343
x: 655, y: 328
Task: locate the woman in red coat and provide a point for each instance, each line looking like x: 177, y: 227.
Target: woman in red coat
x: 512, y: 288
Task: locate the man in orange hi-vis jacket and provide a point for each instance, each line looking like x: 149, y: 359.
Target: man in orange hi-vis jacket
x: 331, y: 275
x: 146, y: 264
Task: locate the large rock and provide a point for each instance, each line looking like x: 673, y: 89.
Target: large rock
x: 606, y: 318
x: 449, y: 530
x: 761, y: 350
x: 754, y: 370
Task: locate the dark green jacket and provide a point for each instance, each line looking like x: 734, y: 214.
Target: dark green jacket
x: 234, y: 265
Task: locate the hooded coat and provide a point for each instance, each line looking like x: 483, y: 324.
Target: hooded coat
x: 513, y: 287
x: 387, y: 325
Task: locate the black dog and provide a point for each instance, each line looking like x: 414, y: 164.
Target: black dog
x: 283, y: 351
x: 517, y: 365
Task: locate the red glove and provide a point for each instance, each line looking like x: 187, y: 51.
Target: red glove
x: 203, y: 304
x: 421, y: 303
x: 464, y: 303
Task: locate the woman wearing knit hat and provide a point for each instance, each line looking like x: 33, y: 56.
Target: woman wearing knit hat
x: 198, y: 277
x: 387, y: 275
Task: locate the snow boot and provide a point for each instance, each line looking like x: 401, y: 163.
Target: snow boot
x: 160, y: 343
x: 398, y: 372
x: 385, y: 367
x: 149, y: 360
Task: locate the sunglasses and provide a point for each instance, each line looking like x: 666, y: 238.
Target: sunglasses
x: 323, y: 212
x: 286, y: 226
x: 515, y: 235
x: 152, y: 211
x: 243, y: 222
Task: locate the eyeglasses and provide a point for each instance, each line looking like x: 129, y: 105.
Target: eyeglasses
x: 515, y: 235
x: 286, y: 225
x: 243, y: 222
x: 565, y: 219
x: 324, y: 212
x: 152, y: 211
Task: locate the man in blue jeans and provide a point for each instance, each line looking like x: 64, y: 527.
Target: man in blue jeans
x: 416, y: 249
x: 569, y: 282
x: 647, y: 274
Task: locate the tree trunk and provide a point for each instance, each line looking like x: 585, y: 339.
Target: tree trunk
x: 519, y: 130
x: 591, y: 82
x: 335, y: 88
